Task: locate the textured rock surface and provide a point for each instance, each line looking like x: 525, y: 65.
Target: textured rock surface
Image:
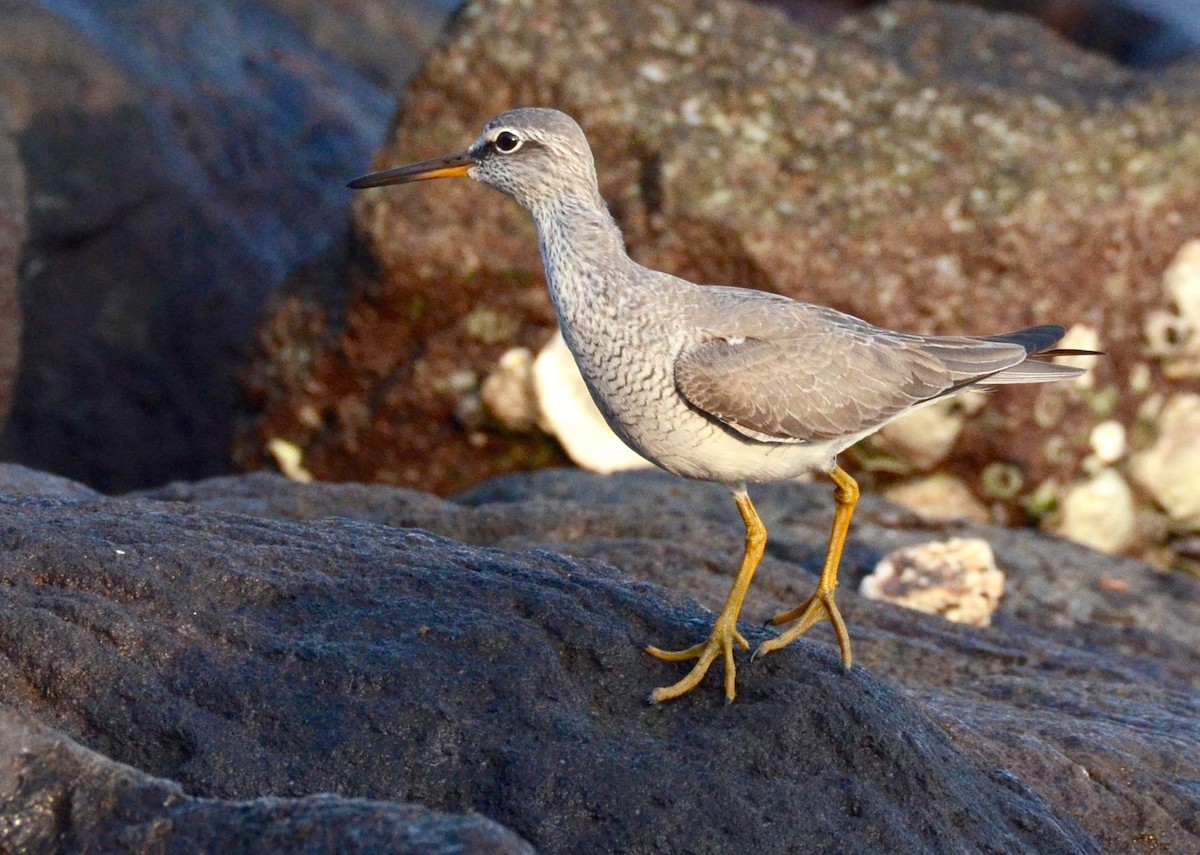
x: 56, y: 796
x: 242, y: 643
x: 182, y: 159
x: 12, y: 235
x: 927, y: 166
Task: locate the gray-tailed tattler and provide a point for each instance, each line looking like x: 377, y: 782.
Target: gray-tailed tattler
x: 716, y: 383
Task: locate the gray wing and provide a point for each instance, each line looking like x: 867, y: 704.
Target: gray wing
x: 780, y: 370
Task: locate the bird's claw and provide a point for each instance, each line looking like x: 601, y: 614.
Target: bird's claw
x: 820, y: 606
x: 719, y: 643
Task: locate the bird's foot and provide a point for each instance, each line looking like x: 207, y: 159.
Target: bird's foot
x: 821, y: 606
x: 721, y: 642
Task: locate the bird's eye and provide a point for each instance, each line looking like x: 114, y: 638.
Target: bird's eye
x: 507, y: 142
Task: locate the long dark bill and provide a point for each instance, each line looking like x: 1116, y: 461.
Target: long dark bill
x: 450, y: 166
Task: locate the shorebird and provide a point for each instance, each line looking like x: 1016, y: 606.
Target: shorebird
x: 715, y: 383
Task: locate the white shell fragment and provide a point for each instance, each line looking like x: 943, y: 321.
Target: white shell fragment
x: 1100, y: 513
x: 957, y: 579
x: 290, y: 460
x: 1081, y: 337
x: 1170, y: 469
x: 1174, y: 336
x: 1181, y: 281
x: 568, y: 412
x: 508, y: 391
x: 1108, y: 441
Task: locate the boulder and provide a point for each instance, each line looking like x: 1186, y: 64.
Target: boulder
x: 252, y: 637
x: 183, y: 160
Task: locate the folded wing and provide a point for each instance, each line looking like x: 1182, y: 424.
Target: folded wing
x: 784, y: 371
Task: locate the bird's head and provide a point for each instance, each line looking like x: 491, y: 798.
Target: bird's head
x: 533, y: 154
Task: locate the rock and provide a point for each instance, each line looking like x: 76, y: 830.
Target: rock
x: 566, y: 411
x: 1108, y: 441
x: 1099, y: 513
x: 1081, y: 337
x: 1175, y: 336
x: 508, y: 392
x: 1181, y: 281
x: 56, y: 795
x: 12, y: 236
x: 244, y: 657
x: 250, y: 637
x: 938, y: 497
x: 923, y: 438
x: 182, y: 161
x: 1170, y: 470
x: 385, y: 41
x: 18, y: 480
x: 957, y: 579
x: 925, y: 166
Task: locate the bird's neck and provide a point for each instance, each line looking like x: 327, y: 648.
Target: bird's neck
x: 587, y: 268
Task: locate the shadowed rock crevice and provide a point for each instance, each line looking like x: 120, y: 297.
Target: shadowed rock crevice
x: 13, y: 221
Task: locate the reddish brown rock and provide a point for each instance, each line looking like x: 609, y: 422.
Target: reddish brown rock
x: 928, y: 167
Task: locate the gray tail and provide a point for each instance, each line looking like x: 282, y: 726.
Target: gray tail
x: 1033, y: 339
x: 1037, y: 341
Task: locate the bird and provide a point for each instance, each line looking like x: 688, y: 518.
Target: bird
x: 719, y: 383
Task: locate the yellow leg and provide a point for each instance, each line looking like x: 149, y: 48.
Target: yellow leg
x: 724, y: 632
x: 821, y: 605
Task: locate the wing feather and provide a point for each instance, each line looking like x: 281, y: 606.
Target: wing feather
x: 780, y: 370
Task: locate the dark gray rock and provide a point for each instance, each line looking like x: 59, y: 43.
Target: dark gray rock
x: 12, y: 236
x: 1085, y: 689
x: 57, y: 796
x: 183, y: 160
x: 243, y: 656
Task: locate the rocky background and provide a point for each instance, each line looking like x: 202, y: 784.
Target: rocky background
x: 194, y: 295
x: 187, y: 288
x: 931, y: 169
